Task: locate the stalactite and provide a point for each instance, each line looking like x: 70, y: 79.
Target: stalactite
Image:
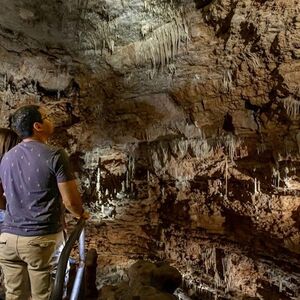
x: 292, y: 107
x: 102, y: 38
x: 130, y: 172
x: 276, y: 178
x: 228, y: 273
x: 217, y: 279
x: 231, y: 143
x: 164, y: 154
x: 200, y: 148
x: 161, y: 46
x: 227, y: 80
x: 4, y: 81
x: 209, y: 257
x: 182, y: 148
x: 11, y: 99
x: 283, y: 281
x: 251, y: 58
x: 172, y: 69
x: 261, y: 148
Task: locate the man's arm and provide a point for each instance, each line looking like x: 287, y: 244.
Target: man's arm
x: 72, y: 199
x: 2, y: 198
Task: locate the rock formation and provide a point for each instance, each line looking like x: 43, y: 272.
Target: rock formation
x: 182, y: 120
x: 146, y: 281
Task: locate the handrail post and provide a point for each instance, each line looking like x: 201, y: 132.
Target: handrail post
x: 82, y: 245
x: 77, y: 233
x: 79, y: 279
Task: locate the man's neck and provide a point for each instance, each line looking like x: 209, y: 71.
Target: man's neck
x: 36, y: 139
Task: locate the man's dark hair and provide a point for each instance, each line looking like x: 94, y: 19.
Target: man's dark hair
x: 23, y: 119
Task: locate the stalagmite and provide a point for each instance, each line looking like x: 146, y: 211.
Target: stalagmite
x: 280, y: 284
x: 98, y: 182
x: 278, y: 179
x: 127, y: 179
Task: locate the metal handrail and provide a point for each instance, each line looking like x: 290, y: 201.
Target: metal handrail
x: 57, y: 291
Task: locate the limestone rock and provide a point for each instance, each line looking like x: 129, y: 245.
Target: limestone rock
x: 182, y: 121
x: 147, y: 281
x: 161, y: 276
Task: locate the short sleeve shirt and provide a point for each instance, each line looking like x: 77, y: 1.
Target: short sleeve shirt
x: 30, y: 173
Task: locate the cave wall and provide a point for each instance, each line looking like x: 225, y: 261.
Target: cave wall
x: 182, y: 121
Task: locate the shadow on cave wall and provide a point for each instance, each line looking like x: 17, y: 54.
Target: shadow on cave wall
x: 202, y: 3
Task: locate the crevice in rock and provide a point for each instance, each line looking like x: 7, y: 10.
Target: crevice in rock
x: 202, y: 3
x: 227, y: 124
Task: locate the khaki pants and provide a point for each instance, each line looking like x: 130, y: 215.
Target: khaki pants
x: 23, y: 257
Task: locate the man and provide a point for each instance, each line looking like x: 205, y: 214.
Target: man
x: 35, y: 178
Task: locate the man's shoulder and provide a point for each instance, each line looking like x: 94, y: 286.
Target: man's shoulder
x: 37, y: 149
x: 34, y: 149
x: 53, y: 152
x: 11, y: 153
x: 8, y: 159
x: 47, y: 148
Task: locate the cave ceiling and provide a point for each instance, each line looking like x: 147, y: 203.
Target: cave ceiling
x: 150, y: 69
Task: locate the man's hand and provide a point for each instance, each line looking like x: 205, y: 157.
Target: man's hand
x: 85, y: 215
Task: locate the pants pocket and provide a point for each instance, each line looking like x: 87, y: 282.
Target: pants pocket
x: 3, y: 241
x: 41, y: 243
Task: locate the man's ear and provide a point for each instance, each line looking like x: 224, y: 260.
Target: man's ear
x: 38, y: 126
